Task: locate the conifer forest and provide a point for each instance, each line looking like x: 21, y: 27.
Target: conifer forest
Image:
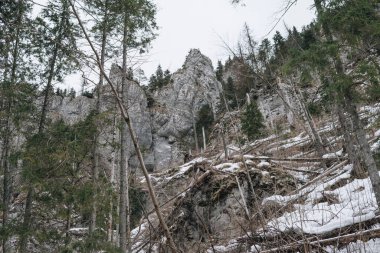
x: 274, y: 148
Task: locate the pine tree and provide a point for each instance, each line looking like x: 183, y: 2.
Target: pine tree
x: 355, y: 29
x: 56, y: 51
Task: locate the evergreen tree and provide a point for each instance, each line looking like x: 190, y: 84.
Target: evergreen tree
x: 16, y: 95
x: 252, y: 122
x: 219, y: 71
x: 55, y: 48
x: 230, y: 93
x: 159, y: 79
x: 104, y: 29
x: 63, y: 188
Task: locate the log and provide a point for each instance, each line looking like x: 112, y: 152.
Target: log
x: 298, y: 170
x: 306, y: 159
x: 345, y: 239
x: 325, y: 174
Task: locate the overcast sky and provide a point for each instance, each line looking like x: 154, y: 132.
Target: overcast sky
x: 207, y: 25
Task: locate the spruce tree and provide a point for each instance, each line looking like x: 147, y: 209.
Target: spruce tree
x: 252, y: 122
x: 55, y: 48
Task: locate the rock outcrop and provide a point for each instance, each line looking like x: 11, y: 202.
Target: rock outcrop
x: 176, y: 108
x: 165, y: 129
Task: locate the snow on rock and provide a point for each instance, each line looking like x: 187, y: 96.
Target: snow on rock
x: 78, y: 231
x: 371, y: 109
x: 263, y: 164
x: 260, y: 141
x: 184, y: 168
x: 255, y: 249
x: 288, y: 143
x: 376, y: 146
x: 232, y: 245
x: 327, y: 128
x: 333, y: 155
x: 228, y: 167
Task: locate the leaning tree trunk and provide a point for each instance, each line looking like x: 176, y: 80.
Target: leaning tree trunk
x: 349, y: 141
x: 365, y: 149
x: 310, y: 122
x: 348, y: 104
x: 126, y: 118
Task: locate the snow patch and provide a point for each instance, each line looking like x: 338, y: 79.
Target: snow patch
x: 333, y: 155
x: 228, y: 167
x: 354, y: 203
x: 263, y: 164
x: 371, y: 246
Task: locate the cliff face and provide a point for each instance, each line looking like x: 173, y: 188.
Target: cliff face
x: 176, y: 108
x: 165, y: 129
x: 278, y: 100
x: 165, y: 125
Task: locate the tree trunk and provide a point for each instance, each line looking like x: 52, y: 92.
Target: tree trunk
x: 7, y: 135
x: 204, y: 138
x: 365, y: 149
x: 349, y: 105
x: 349, y: 141
x: 110, y: 215
x: 6, y: 188
x: 309, y: 120
x: 224, y: 145
x: 195, y: 132
x: 95, y: 155
x: 124, y: 170
x: 125, y: 116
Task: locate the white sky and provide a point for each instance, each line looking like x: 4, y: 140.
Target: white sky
x: 207, y: 24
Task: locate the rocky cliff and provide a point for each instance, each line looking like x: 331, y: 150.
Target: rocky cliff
x: 176, y: 106
x: 164, y: 128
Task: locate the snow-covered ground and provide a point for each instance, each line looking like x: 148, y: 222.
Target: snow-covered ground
x: 325, y: 210
x: 331, y: 202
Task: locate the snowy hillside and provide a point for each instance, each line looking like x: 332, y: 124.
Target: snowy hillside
x: 295, y: 204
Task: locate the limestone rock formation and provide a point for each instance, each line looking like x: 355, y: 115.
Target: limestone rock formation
x: 176, y: 108
x: 165, y: 129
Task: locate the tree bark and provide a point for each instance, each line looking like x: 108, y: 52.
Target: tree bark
x: 95, y: 155
x: 365, y: 149
x: 124, y: 170
x: 125, y: 115
x: 348, y: 140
